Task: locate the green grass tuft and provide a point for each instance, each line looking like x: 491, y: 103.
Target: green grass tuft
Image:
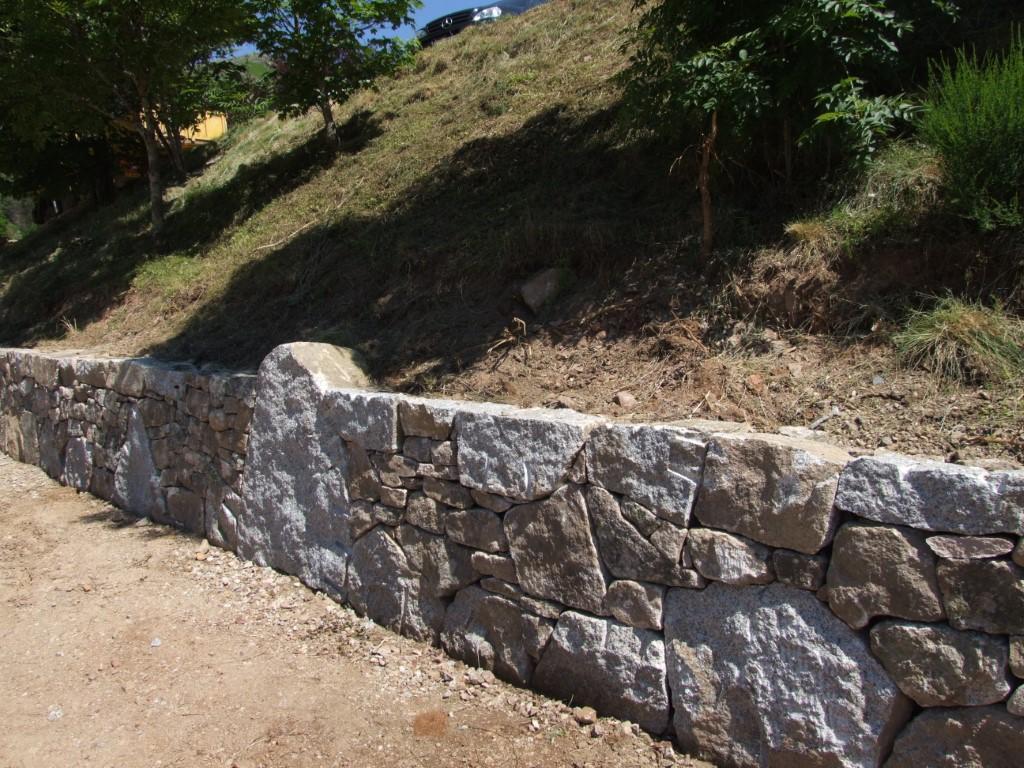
x: 963, y: 341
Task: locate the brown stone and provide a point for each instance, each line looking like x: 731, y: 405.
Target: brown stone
x: 983, y: 594
x: 799, y: 570
x: 882, y: 571
x: 721, y: 556
x: 969, y: 547
x: 452, y: 494
x: 974, y: 737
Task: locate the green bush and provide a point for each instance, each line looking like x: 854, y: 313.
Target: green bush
x: 975, y: 122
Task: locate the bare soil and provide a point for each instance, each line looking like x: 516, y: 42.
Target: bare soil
x: 129, y: 644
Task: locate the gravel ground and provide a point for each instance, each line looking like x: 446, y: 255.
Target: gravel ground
x: 124, y: 643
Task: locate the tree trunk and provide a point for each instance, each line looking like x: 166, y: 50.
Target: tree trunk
x: 148, y: 129
x: 706, y: 152
x: 330, y: 130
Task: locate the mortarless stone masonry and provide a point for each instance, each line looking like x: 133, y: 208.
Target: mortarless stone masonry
x: 662, y: 574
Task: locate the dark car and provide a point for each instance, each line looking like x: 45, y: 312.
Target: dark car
x: 456, y: 21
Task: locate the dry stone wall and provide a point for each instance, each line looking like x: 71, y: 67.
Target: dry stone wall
x: 768, y: 601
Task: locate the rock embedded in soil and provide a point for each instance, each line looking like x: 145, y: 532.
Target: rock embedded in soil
x: 938, y: 666
x: 975, y: 737
x: 986, y: 595
x: 933, y: 496
x: 618, y: 670
x: 772, y: 489
x: 882, y: 571
x: 554, y: 551
x: 656, y: 466
x: 769, y: 676
x: 524, y: 455
x: 542, y: 288
x: 969, y: 547
x: 720, y: 556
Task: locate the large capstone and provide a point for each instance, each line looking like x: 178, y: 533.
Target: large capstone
x: 768, y: 676
x: 616, y: 669
x: 882, y: 571
x: 522, y: 454
x: 656, y: 466
x: 554, y: 552
x: 489, y: 631
x: 984, y: 594
x: 938, y: 666
x: 383, y: 586
x: 933, y: 496
x: 775, y: 490
x: 296, y: 511
x: 976, y: 737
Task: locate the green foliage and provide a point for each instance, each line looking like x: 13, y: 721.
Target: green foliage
x: 773, y: 70
x: 975, y: 121
x: 326, y: 50
x: 963, y: 341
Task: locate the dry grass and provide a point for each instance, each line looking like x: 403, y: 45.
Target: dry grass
x: 963, y: 341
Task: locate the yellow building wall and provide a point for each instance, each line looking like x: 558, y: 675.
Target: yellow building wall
x: 211, y: 128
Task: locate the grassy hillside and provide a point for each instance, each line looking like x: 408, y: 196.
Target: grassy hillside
x: 498, y: 153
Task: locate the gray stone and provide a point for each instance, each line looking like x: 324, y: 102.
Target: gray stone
x: 489, y: 631
x: 364, y: 482
x: 624, y: 549
x: 1018, y: 553
x: 478, y: 528
x: 452, y: 494
x: 186, y: 509
x: 1015, y: 705
x: 769, y: 677
x: 393, y: 468
x: 657, y: 466
x: 522, y: 454
x: 296, y: 500
x: 969, y: 547
x: 882, y: 571
x: 393, y: 497
x: 361, y: 519
x: 499, y: 587
x: 427, y: 418
x: 424, y: 512
x: 443, y: 565
x: 983, y: 594
x: 542, y: 288
x: 933, y: 496
x: 382, y: 586
x: 418, y: 449
x: 1017, y: 656
x: 554, y: 552
x: 975, y: 737
x: 443, y: 454
x: 390, y: 516
x: 618, y: 670
x: 720, y: 556
x: 499, y: 566
x: 137, y: 481
x: 938, y: 666
x: 636, y: 604
x: 369, y: 418
x: 489, y: 501
x: 775, y: 490
x: 798, y: 570
x: 222, y: 525
x: 78, y: 464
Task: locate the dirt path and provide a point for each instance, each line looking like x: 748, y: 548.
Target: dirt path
x: 128, y: 644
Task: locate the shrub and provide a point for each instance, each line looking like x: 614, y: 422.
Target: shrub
x: 975, y: 121
x: 963, y: 341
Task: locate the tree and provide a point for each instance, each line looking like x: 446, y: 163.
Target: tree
x: 771, y: 74
x: 101, y: 65
x: 322, y: 51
